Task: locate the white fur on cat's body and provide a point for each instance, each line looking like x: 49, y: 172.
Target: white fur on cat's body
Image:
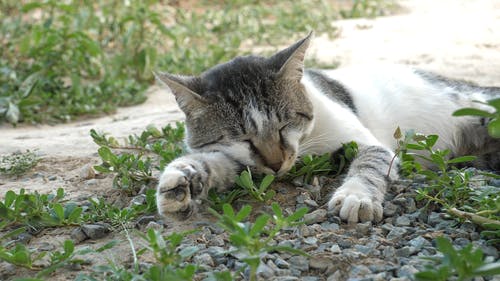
x: 385, y: 97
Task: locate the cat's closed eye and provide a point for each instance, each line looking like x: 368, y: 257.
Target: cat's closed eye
x: 304, y: 115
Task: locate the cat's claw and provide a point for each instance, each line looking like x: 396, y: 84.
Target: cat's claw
x: 354, y: 204
x: 173, y: 193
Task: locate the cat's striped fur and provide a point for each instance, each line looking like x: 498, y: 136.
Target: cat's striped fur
x: 266, y: 112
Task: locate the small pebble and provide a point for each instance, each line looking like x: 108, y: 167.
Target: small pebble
x: 316, y: 216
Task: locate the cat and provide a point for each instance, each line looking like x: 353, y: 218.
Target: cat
x: 266, y: 112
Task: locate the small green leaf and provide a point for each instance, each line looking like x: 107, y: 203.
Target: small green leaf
x: 462, y: 159
x: 277, y: 210
x: 259, y: 225
x: 472, y: 112
x: 494, y: 128
x: 297, y: 215
x: 268, y: 179
x: 488, y: 269
x: 243, y: 213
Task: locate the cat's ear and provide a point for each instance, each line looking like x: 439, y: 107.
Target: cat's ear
x: 183, y: 88
x: 290, y: 61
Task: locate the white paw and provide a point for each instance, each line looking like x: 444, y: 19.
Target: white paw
x: 354, y: 202
x: 173, y: 193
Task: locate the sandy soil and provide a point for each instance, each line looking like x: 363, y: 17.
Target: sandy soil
x: 457, y: 38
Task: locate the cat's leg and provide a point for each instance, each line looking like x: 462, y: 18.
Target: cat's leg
x: 189, y: 178
x: 361, y: 195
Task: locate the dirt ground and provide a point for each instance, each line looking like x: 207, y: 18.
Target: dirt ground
x: 456, y: 38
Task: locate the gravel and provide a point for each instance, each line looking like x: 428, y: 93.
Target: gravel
x: 388, y: 250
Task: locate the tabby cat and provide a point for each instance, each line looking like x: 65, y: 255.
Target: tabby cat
x: 265, y: 112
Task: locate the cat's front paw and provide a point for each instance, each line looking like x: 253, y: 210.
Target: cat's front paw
x: 173, y: 195
x: 354, y: 202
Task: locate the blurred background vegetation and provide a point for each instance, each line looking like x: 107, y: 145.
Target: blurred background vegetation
x: 62, y: 60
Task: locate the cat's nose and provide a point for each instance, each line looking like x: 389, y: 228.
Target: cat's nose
x: 276, y: 166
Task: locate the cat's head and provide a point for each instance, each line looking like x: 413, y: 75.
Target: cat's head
x: 252, y: 108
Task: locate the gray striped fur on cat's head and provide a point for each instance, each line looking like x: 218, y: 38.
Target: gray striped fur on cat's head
x: 252, y: 108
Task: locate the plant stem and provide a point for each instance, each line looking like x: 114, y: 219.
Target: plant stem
x: 485, y: 222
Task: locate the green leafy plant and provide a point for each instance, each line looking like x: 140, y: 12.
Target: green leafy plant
x: 38, y: 210
x: 463, y: 264
x: 18, y: 254
x: 133, y: 171
x: 18, y: 163
x: 446, y: 185
x: 101, y: 211
x: 168, y: 261
x: 313, y: 165
x: 494, y: 123
x: 261, y: 193
x: 253, y: 239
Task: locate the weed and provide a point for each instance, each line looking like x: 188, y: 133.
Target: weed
x: 37, y: 210
x: 168, y: 265
x: 260, y: 193
x: 494, y: 123
x: 447, y: 185
x: 462, y: 264
x: 134, y: 171
x: 18, y: 163
x: 252, y: 240
x: 313, y: 165
x: 101, y: 211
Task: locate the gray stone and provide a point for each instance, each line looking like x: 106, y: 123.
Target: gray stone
x: 7, y: 270
x: 77, y: 235
x: 364, y: 228
x: 419, y: 242
x: 329, y: 226
x: 461, y: 241
x: 86, y: 172
x: 154, y: 225
x: 406, y: 271
x: 264, y: 271
x: 285, y: 278
x: 364, y: 249
x: 389, y: 252
x: 344, y: 244
x: 434, y: 218
x: 138, y: 200
x: 95, y: 231
x: 321, y: 263
x: 144, y: 220
x: 335, y: 249
x: 204, y: 259
x: 359, y: 271
x: 311, y: 203
x: 397, y: 233
x: 336, y: 276
x: 495, y: 182
x: 44, y: 246
x: 316, y: 216
x: 216, y: 241
x: 390, y: 209
x: 311, y: 240
x: 309, y: 278
x: 281, y: 263
x: 403, y: 220
x: 404, y: 252
x: 299, y: 262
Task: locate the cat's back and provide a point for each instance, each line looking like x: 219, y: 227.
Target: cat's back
x: 385, y: 96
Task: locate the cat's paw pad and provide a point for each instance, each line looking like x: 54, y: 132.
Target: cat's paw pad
x: 353, y: 203
x: 173, y: 193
